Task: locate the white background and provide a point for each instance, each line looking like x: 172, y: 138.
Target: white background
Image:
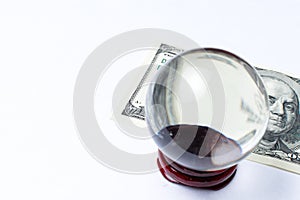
x: 42, y: 47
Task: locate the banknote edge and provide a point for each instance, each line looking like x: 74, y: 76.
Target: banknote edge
x: 274, y: 162
x: 130, y: 109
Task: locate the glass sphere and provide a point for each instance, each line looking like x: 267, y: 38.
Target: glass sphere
x: 207, y: 109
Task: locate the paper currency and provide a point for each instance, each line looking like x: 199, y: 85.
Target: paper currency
x: 135, y: 106
x: 280, y: 146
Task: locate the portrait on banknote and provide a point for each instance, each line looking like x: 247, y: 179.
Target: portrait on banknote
x: 281, y: 139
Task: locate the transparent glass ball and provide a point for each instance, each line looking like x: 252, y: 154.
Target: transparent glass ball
x: 207, y: 109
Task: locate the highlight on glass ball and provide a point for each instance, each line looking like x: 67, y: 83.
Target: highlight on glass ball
x: 206, y: 109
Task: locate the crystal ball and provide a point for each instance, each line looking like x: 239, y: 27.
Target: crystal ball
x: 207, y: 109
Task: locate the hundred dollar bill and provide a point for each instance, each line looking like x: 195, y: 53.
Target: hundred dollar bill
x: 136, y: 104
x: 280, y: 145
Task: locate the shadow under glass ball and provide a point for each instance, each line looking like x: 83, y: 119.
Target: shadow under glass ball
x: 207, y: 109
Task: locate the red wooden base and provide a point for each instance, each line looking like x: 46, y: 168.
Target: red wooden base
x: 176, y: 173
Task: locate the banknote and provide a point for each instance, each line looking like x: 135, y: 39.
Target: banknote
x: 280, y: 145
x: 135, y: 106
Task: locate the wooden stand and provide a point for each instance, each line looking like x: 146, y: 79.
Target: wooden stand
x: 176, y: 173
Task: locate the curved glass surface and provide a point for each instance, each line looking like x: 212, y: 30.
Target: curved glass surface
x: 207, y: 109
